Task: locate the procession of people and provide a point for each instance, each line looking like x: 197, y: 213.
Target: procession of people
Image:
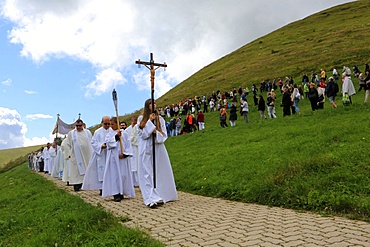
x: 117, y: 157
x: 114, y: 160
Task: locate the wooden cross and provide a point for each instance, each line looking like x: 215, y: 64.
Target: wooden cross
x: 152, y: 66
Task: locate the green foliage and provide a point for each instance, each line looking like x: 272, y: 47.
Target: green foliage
x: 35, y: 213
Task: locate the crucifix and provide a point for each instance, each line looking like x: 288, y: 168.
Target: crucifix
x: 152, y: 66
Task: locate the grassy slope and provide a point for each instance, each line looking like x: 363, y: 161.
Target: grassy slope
x: 297, y: 162
x: 35, y: 213
x: 313, y: 161
x: 7, y: 155
x: 331, y: 38
x: 334, y: 37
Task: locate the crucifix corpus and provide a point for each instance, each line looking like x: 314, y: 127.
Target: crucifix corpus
x: 152, y: 66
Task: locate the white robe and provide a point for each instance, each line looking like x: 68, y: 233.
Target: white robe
x: 46, y: 156
x: 81, y: 144
x: 165, y: 183
x: 128, y: 130
x: 135, y: 156
x: 67, y: 163
x: 35, y: 164
x: 348, y: 87
x: 39, y: 159
x: 52, y: 162
x: 117, y: 175
x: 59, y: 163
x: 95, y: 170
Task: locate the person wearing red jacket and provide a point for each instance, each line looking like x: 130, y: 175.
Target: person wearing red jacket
x: 200, y: 120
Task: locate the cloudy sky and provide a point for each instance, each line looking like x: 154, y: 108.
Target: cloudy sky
x: 65, y: 57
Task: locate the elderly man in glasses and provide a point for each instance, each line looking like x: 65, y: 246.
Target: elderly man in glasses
x: 93, y: 179
x: 78, y: 150
x: 117, y: 181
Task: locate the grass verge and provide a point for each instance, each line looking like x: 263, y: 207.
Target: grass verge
x: 35, y: 213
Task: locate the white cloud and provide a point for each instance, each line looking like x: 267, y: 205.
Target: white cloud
x: 111, y: 35
x: 36, y: 141
x: 104, y: 81
x: 12, y: 129
x: 7, y: 82
x: 30, y: 92
x: 37, y: 116
x: 94, y: 30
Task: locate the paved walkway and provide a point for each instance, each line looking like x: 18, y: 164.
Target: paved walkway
x: 201, y: 221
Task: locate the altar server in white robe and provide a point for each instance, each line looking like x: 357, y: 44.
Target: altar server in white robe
x: 46, y: 156
x: 79, y: 150
x: 95, y: 171
x: 59, y: 163
x: 165, y: 189
x: 35, y: 163
x: 117, y: 180
x: 132, y: 131
x: 54, y: 166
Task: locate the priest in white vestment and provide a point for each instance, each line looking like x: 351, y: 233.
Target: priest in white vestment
x: 165, y: 189
x: 79, y: 150
x: 95, y: 171
x: 117, y: 180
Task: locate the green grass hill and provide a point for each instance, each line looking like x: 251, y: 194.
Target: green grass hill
x: 314, y: 161
x: 331, y: 38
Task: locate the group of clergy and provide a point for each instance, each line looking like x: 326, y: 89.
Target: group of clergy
x: 47, y: 159
x: 113, y: 161
x: 104, y: 161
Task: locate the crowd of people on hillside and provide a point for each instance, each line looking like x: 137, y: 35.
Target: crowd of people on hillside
x: 118, y: 157
x: 317, y: 89
x: 115, y: 159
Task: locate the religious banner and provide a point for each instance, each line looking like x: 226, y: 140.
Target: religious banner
x: 62, y: 127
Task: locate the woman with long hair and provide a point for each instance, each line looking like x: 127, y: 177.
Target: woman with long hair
x: 150, y: 123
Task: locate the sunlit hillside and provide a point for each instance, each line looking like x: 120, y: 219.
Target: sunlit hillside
x: 331, y: 38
